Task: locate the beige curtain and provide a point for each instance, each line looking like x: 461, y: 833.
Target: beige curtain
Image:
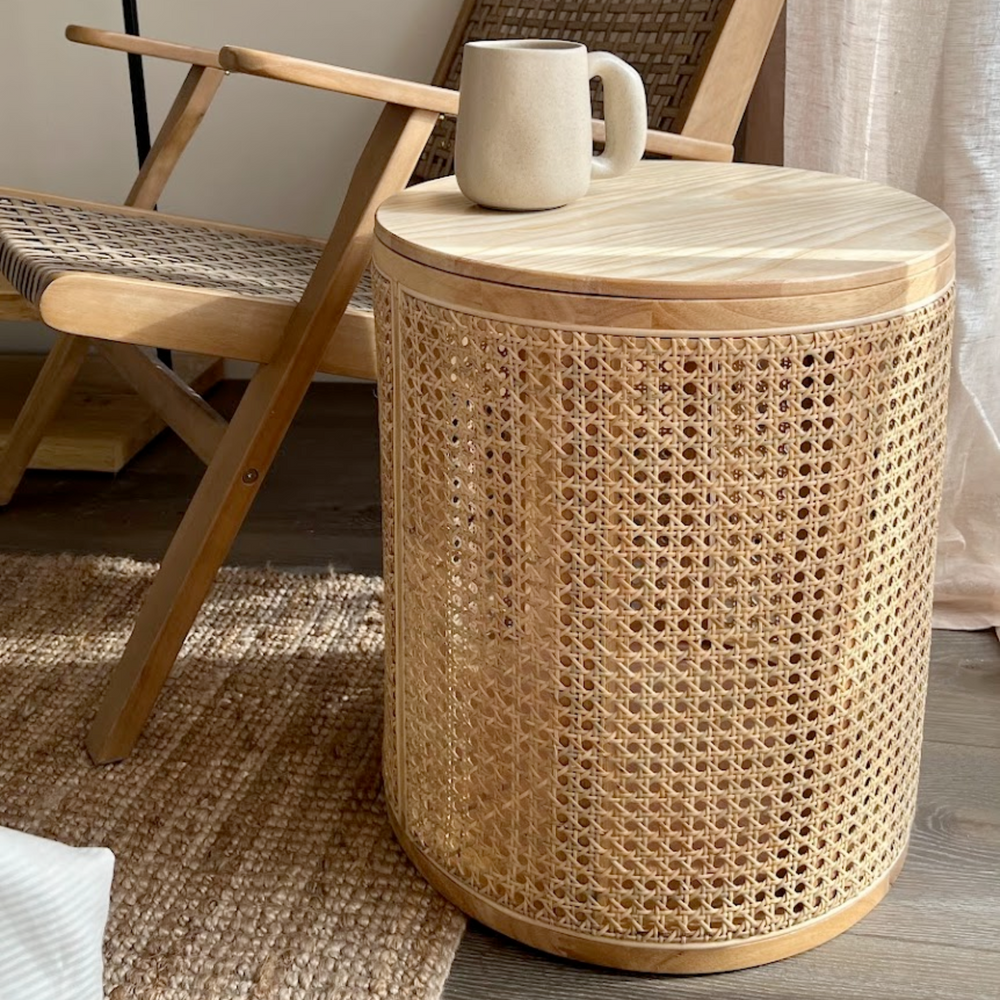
x: 907, y: 92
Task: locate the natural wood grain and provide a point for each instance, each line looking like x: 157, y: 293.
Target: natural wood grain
x: 195, y: 319
x: 677, y: 317
x: 142, y: 46
x: 479, y: 732
x: 336, y: 78
x: 681, y: 231
x: 722, y: 93
x: 249, y: 446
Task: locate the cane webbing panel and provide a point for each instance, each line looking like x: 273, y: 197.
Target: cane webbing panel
x: 40, y: 240
x: 658, y: 613
x: 667, y: 41
x: 386, y: 395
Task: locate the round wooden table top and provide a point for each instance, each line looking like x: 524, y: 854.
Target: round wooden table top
x: 680, y: 230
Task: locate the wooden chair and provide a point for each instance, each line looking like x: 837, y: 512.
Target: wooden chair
x: 127, y: 277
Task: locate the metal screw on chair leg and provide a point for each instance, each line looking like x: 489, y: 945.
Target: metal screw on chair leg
x: 251, y: 476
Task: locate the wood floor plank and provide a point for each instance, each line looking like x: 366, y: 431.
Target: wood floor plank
x: 949, y: 890
x: 963, y: 699
x: 319, y: 506
x: 851, y: 966
x: 102, y: 423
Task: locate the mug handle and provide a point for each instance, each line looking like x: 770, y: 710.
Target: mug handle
x: 624, y: 113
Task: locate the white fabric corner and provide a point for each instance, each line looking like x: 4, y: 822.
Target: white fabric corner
x: 53, y: 908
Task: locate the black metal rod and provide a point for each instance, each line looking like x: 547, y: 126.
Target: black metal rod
x: 137, y: 84
x: 140, y: 112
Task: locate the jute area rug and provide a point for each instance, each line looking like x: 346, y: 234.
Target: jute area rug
x: 254, y: 854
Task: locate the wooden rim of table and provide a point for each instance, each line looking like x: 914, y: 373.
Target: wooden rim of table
x: 641, y: 956
x: 750, y: 317
x: 681, y: 230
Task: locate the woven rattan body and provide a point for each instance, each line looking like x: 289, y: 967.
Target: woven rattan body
x: 659, y: 596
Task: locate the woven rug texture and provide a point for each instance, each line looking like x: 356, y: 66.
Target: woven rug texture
x: 254, y: 852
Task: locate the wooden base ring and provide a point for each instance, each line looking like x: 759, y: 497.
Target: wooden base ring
x: 640, y: 956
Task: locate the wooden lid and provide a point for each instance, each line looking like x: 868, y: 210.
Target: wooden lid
x: 676, y: 230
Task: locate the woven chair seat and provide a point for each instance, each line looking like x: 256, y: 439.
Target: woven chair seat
x: 40, y: 240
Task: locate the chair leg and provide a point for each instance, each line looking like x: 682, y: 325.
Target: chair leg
x: 196, y: 552
x: 183, y: 410
x: 47, y: 394
x: 247, y: 448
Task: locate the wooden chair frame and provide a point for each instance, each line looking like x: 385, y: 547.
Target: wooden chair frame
x: 291, y: 342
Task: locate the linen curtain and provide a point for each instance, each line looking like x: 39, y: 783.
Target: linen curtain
x: 907, y: 93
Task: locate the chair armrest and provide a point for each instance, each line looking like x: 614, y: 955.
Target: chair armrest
x: 143, y: 46
x: 687, y: 147
x: 355, y: 82
x: 683, y: 147
x: 419, y: 95
x: 343, y: 81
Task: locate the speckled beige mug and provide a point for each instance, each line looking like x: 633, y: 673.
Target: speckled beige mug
x: 524, y: 139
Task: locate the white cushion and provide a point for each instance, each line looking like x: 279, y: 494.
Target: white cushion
x: 53, y: 908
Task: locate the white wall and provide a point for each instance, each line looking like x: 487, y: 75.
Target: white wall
x: 268, y: 154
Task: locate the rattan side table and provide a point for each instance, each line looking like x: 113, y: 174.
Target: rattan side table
x: 660, y: 487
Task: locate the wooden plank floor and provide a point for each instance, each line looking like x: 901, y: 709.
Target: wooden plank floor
x: 318, y: 507
x: 102, y: 423
x: 937, y: 934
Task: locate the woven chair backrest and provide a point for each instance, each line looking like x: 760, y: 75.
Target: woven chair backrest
x: 668, y: 41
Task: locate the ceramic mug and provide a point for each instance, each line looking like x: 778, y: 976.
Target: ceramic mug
x: 524, y: 138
